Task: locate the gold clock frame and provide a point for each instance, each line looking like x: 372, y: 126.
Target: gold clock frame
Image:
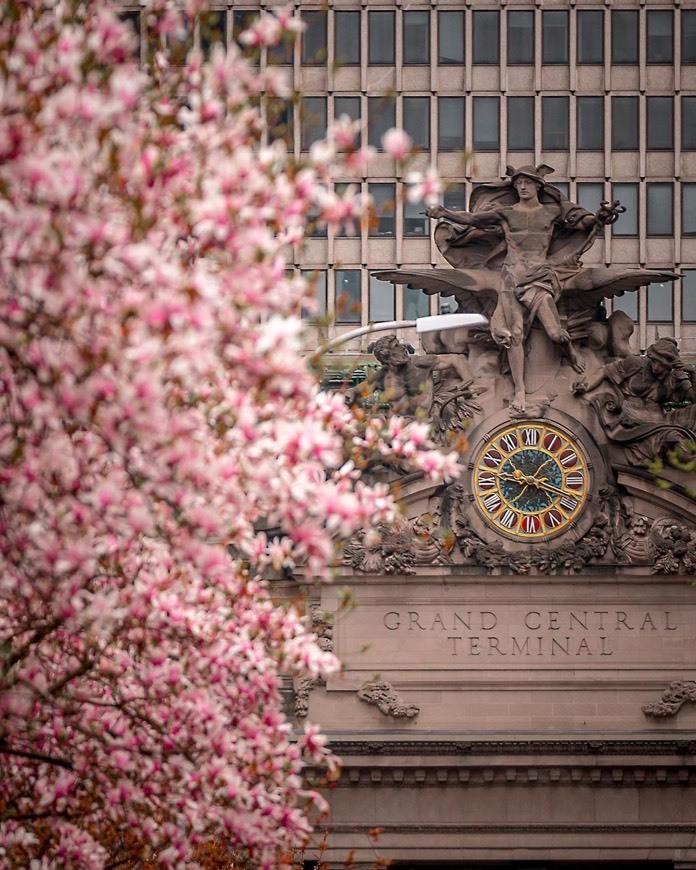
x: 565, y: 485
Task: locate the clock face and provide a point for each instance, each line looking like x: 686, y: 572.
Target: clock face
x: 530, y: 480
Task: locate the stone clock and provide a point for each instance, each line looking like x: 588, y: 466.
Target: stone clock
x: 530, y: 480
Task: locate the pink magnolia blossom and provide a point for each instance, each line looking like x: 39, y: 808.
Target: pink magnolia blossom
x: 397, y: 143
x: 162, y: 445
x: 423, y: 187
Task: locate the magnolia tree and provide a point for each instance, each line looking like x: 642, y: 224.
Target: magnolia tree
x: 155, y: 415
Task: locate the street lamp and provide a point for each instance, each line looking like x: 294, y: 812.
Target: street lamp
x: 423, y: 324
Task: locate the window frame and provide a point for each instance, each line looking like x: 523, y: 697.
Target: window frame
x: 478, y: 102
x: 340, y: 310
x: 550, y: 41
x: 529, y: 52
x: 585, y: 14
x: 652, y: 101
x: 384, y: 210
x: 426, y: 32
x: 617, y: 29
x: 633, y: 209
x: 618, y: 129
x: 413, y: 100
x: 583, y: 129
x: 319, y: 56
x: 481, y: 57
x: 545, y: 132
x: 349, y: 14
x: 652, y: 15
x: 440, y: 30
x: 530, y: 120
x: 451, y: 101
x: 373, y: 43
x: 651, y: 230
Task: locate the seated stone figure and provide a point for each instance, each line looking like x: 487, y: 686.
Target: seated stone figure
x: 634, y: 411
x: 406, y: 381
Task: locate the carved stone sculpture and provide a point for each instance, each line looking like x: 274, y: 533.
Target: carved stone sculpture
x: 405, y: 383
x: 674, y: 697
x: 389, y: 548
x: 516, y: 258
x: 383, y: 696
x: 630, y: 396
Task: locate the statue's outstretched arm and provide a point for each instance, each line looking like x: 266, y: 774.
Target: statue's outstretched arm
x: 464, y: 218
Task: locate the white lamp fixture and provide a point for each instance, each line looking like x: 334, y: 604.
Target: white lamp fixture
x: 422, y: 324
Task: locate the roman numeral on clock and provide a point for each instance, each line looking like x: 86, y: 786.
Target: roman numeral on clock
x: 492, y: 502
x: 509, y: 519
x: 530, y: 437
x: 568, y: 503
x: 575, y: 480
x: 509, y: 442
x: 486, y: 481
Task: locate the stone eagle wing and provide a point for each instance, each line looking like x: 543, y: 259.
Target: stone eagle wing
x: 476, y: 290
x: 603, y: 282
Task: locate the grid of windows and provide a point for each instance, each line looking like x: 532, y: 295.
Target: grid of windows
x: 619, y: 104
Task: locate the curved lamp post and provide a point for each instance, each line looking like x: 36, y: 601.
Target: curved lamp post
x: 423, y: 324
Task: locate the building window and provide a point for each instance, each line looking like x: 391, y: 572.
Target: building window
x: 281, y: 54
x: 450, y: 123
x: 628, y: 303
x: 554, y: 42
x: 313, y: 120
x: 454, y: 196
x: 590, y: 121
x: 213, y: 30
x: 416, y: 304
x: 660, y: 37
x: 314, y: 38
x: 688, y: 192
x: 380, y: 31
x: 627, y: 224
x: 520, y: 37
x: 348, y: 296
x: 316, y: 282
x: 416, y: 37
x: 520, y: 123
x: 347, y: 38
x: 554, y: 123
x: 564, y: 187
x: 624, y: 36
x: 279, y: 118
x: 590, y: 194
x: 660, y: 209
x: 660, y: 128
x: 381, y: 302
x: 383, y: 217
x: 486, y: 124
x: 660, y: 303
x: 315, y: 229
x: 381, y: 116
x: 590, y: 33
x: 624, y: 123
x: 417, y: 121
x: 688, y: 291
x: 688, y: 36
x: 450, y: 37
x: 347, y: 106
x: 416, y: 224
x: 689, y: 123
x: 486, y: 43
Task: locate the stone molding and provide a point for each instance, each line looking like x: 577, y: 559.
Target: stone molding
x: 627, y: 747
x: 610, y: 776
x: 526, y: 828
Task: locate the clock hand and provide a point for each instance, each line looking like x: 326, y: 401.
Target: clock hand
x: 551, y: 488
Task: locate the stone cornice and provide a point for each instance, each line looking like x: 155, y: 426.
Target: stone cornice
x: 590, y: 747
